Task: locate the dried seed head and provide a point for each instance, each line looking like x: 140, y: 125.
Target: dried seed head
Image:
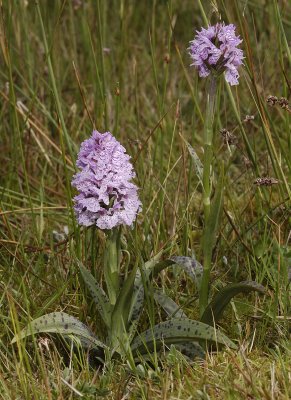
x: 246, y: 162
x: 249, y: 118
x: 167, y: 58
x: 228, y: 137
x: 272, y: 100
x: 283, y: 103
x: 77, y: 4
x: 266, y: 181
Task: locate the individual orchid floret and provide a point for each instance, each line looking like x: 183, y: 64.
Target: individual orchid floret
x: 215, y: 50
x: 107, y: 197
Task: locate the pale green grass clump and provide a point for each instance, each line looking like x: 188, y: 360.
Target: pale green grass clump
x: 123, y: 66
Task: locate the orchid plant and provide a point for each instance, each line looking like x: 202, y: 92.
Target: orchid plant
x: 214, y: 51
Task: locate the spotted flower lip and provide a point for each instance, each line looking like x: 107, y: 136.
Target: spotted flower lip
x: 214, y: 50
x: 107, y: 198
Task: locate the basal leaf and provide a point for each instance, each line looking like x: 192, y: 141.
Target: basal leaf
x: 152, y: 268
x: 178, y: 331
x: 157, y: 268
x: 197, y: 163
x: 191, y: 350
x: 149, y: 270
x: 136, y: 302
x: 212, y: 224
x: 120, y: 313
x: 60, y: 323
x: 97, y: 293
x: 191, y: 266
x: 215, y: 308
x: 153, y: 261
x: 171, y: 308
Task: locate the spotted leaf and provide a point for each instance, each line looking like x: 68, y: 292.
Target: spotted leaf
x: 191, y: 266
x: 191, y: 350
x: 97, y: 293
x: 178, y: 331
x: 60, y: 323
x: 171, y: 308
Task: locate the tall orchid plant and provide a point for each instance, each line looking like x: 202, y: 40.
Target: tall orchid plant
x: 214, y: 51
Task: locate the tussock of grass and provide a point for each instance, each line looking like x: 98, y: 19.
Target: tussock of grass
x: 69, y: 66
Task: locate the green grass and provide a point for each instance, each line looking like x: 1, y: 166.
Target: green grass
x: 123, y: 66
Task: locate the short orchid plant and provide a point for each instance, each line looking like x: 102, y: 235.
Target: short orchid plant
x: 108, y: 199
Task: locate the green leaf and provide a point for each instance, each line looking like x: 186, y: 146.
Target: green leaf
x: 60, y: 323
x: 120, y: 313
x: 215, y: 308
x: 146, y: 271
x: 155, y: 269
x: 171, y: 308
x: 191, y: 266
x: 178, y: 331
x: 136, y: 302
x: 191, y: 350
x: 97, y: 293
x: 153, y: 261
x: 211, y: 228
x: 112, y: 263
x: 197, y: 163
x: 151, y: 269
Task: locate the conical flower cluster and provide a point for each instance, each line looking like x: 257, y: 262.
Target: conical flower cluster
x: 107, y: 197
x: 215, y: 50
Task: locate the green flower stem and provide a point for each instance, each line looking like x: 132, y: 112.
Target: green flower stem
x: 203, y: 296
x: 112, y: 264
x: 208, y: 154
x: 208, y: 146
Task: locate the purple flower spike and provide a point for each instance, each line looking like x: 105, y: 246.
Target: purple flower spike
x: 106, y: 196
x: 215, y: 50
